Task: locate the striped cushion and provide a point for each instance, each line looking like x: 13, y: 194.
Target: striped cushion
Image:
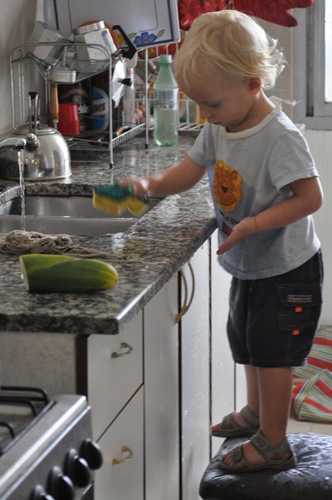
x: 312, y: 383
x: 314, y: 400
x: 321, y: 351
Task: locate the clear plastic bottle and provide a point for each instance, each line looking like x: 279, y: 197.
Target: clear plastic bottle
x: 166, y: 109
x: 129, y: 96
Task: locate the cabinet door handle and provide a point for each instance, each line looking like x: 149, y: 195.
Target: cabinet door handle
x: 129, y: 456
x: 186, y: 305
x: 123, y: 345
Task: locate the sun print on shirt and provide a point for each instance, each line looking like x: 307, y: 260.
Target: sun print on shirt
x: 227, y: 184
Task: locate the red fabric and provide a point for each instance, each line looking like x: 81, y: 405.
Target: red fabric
x: 274, y: 11
x: 190, y: 9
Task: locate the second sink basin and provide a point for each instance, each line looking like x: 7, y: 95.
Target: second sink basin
x: 64, y: 206
x: 60, y: 214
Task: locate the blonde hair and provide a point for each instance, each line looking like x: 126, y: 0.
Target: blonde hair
x: 235, y: 43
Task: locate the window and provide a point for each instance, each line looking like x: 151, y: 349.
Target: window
x: 313, y: 66
x: 328, y: 51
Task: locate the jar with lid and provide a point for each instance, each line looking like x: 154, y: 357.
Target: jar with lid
x: 88, y: 38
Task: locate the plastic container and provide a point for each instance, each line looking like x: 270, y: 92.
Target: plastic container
x: 77, y: 93
x: 69, y: 122
x: 41, y: 38
x: 99, y: 103
x: 166, y: 108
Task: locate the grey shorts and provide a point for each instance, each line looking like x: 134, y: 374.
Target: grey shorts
x: 272, y: 321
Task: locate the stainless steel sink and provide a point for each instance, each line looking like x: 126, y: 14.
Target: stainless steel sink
x: 66, y: 225
x: 60, y: 214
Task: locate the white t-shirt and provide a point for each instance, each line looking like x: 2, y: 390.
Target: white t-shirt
x: 252, y: 171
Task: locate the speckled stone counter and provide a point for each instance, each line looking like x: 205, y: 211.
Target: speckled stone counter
x: 146, y: 256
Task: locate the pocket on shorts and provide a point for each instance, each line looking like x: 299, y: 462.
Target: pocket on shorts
x: 301, y: 306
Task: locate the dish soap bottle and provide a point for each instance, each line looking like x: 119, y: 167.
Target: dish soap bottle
x: 165, y: 114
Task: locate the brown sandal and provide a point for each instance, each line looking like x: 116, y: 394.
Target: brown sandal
x: 274, y: 456
x: 229, y: 428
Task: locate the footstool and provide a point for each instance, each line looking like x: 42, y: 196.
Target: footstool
x: 311, y: 478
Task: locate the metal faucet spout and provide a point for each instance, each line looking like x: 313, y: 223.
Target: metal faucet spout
x: 31, y: 143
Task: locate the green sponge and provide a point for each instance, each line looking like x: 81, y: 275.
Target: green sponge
x: 115, y: 199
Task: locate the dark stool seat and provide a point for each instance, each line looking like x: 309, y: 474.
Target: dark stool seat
x: 311, y: 478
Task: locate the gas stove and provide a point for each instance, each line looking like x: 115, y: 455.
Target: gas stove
x: 45, y: 445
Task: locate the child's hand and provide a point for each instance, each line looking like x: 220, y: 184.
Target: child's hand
x: 242, y: 230
x: 141, y: 186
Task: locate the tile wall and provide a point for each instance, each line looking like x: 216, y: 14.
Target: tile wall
x: 17, y: 19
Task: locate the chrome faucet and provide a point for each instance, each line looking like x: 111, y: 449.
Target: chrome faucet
x: 30, y: 143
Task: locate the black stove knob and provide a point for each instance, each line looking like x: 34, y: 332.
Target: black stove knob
x: 77, y: 469
x: 38, y: 493
x: 91, y: 452
x: 59, y: 485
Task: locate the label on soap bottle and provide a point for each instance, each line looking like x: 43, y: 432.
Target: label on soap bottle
x: 99, y: 110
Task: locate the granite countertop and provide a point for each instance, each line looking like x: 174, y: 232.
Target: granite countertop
x: 146, y: 256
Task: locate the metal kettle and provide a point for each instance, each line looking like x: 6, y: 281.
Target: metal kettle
x: 50, y: 161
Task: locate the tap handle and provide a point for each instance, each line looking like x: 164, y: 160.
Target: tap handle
x: 32, y: 143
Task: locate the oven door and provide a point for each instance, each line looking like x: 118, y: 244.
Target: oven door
x: 55, y: 457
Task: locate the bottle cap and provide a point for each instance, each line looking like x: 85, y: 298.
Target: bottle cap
x: 165, y: 59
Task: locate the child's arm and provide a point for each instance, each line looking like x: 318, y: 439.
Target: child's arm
x: 172, y: 180
x: 307, y: 198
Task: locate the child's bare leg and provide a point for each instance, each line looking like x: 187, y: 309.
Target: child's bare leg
x: 276, y: 390
x: 252, y: 397
x: 275, y: 385
x: 252, y: 388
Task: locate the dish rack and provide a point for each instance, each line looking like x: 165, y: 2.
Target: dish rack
x: 23, y: 66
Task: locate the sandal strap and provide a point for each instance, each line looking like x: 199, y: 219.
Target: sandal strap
x: 251, y: 418
x: 269, y: 452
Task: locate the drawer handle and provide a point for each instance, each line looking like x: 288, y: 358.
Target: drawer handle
x: 124, y: 449
x: 186, y: 305
x: 123, y: 345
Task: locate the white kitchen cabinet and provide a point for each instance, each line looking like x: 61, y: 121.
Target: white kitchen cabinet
x: 115, y: 372
x: 195, y: 367
x: 114, y: 375
x: 122, y: 473
x: 161, y: 389
x: 152, y: 387
x: 177, y: 384
x: 222, y: 365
